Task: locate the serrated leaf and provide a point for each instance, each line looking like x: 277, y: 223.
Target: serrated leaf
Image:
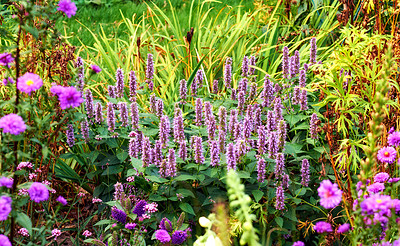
x: 24, y: 221
x: 279, y: 221
x: 257, y: 195
x: 184, y: 177
x: 187, y: 208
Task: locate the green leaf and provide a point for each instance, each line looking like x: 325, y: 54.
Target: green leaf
x: 257, y: 195
x: 104, y: 222
x: 279, y: 221
x: 24, y: 221
x: 122, y: 156
x: 184, y: 177
x: 157, y: 179
x: 157, y: 198
x: 185, y: 193
x: 187, y: 208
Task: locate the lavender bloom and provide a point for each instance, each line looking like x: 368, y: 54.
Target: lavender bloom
x: 322, y: 227
x: 179, y: 134
x: 153, y: 103
x: 302, y: 78
x: 294, y: 64
x: 160, y: 108
x: 215, y: 86
x: 281, y: 134
x: 376, y: 187
x: 232, y: 121
x: 279, y: 165
x: 171, y: 166
x: 70, y: 135
x: 182, y: 153
x: 132, y: 84
x: 257, y: 117
x: 271, y: 122
x: 245, y: 66
x: 193, y: 88
x: 146, y: 151
x: 330, y: 194
x: 222, y: 118
x: 134, y: 115
x: 89, y: 103
x: 80, y: 82
x: 298, y: 243
x: 85, y: 130
x: 158, y: 155
x: 280, y: 198
x: 4, y: 240
x: 387, y: 155
x: 132, y: 149
x: 285, y: 180
x: 111, y: 91
x: 165, y: 224
x: 241, y: 148
x: 278, y: 109
x: 277, y: 88
x: 98, y: 113
x: 183, y: 89
x: 6, y: 59
x: 313, y: 126
x: 198, y: 150
x: 139, y: 139
x: 261, y: 140
x: 252, y: 63
x: 313, y: 51
x: 214, y: 153
x: 68, y: 7
x: 62, y: 200
x: 381, y: 177
x: 267, y: 92
x: 118, y: 215
x: 233, y: 94
x: 110, y: 117
x: 69, y: 97
x: 178, y: 237
x: 119, y: 85
x: 150, y: 70
x: 6, y: 182
x: 165, y: 129
x: 306, y: 66
x: 211, y: 127
x: 296, y: 95
x: 5, y: 207
x: 238, y: 131
x: 228, y: 72
x: 231, y: 157
x: 261, y: 170
x: 198, y: 109
x: 242, y: 86
x: 305, y: 172
x: 200, y: 78
x: 162, y: 236
x: 253, y: 92
x: 8, y: 80
x: 241, y: 101
x: 303, y: 100
x: 247, y: 128
x: 394, y: 139
x: 207, y: 110
x: 285, y: 63
x: 123, y: 110
x: 221, y: 141
x: 272, y: 145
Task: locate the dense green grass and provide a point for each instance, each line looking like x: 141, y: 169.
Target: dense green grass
x: 109, y: 17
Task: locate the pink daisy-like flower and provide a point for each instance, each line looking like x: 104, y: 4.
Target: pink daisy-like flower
x: 68, y: 7
x: 62, y: 200
x: 29, y: 82
x: 70, y: 97
x: 322, y: 227
x: 56, y: 90
x: 95, y: 68
x: 387, y: 154
x: 381, y: 177
x: 330, y: 194
x: 13, y: 124
x: 376, y: 187
x: 343, y: 228
x: 38, y: 192
x: 394, y: 139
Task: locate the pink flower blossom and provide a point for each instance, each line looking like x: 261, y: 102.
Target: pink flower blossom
x: 330, y: 194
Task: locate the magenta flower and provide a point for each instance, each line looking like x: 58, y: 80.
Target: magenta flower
x: 387, y: 154
x: 13, y: 124
x: 56, y: 89
x: 322, y: 227
x: 38, y: 192
x: 70, y: 97
x: 8, y: 80
x: 130, y: 226
x: 87, y: 233
x: 330, y: 194
x: 95, y: 68
x: 178, y: 237
x: 298, y: 243
x: 4, y: 241
x: 6, y: 59
x: 29, y: 82
x: 162, y: 236
x: 5, y: 207
x: 394, y: 139
x: 343, y: 228
x: 381, y: 177
x: 376, y: 187
x: 62, y: 200
x: 68, y: 7
x: 7, y: 182
x: 55, y: 233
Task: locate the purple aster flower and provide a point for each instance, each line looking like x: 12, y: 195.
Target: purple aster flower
x: 62, y: 200
x: 120, y: 81
x: 5, y: 207
x: 245, y: 66
x: 70, y: 98
x: 198, y: 110
x: 119, y: 215
x: 305, y: 172
x: 387, y: 154
x: 313, y: 51
x: 139, y: 209
x: 123, y: 110
x: 6, y: 182
x: 4, y: 241
x: 231, y: 156
x: 313, y: 126
x: 280, y: 198
x: 8, y: 80
x: 70, y: 135
x: 214, y: 153
x: 98, y: 109
x: 6, y: 59
x: 183, y: 89
x: 285, y: 63
x: 178, y: 237
x: 89, y: 103
x: 130, y: 226
x: 162, y: 236
x: 68, y: 7
x: 376, y: 187
x: 38, y: 192
x: 13, y: 124
x: 85, y: 130
x: 322, y: 227
x: 95, y: 68
x: 111, y: 91
x: 343, y: 228
x: 261, y: 170
x: 110, y: 116
x: 381, y: 177
x: 330, y: 194
x: 134, y: 115
x: 165, y: 224
x: 298, y: 243
x: 393, y: 180
x: 391, y: 130
x: 165, y: 129
x: 29, y: 82
x: 228, y: 72
x: 394, y: 139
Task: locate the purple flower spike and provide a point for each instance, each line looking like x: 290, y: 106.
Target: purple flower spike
x: 118, y: 215
x: 261, y: 170
x: 261, y: 140
x: 89, y: 103
x: 330, y: 194
x: 271, y: 122
x: 222, y: 118
x: 199, y: 110
x: 243, y: 84
x: 70, y: 135
x: 313, y: 51
x: 228, y: 73
x: 241, y: 102
x: 134, y: 115
x: 207, y: 110
x: 171, y: 166
x: 178, y: 237
x: 272, y: 145
x: 146, y: 157
x: 165, y: 129
x: 214, y: 153
x: 245, y: 66
x: 278, y: 109
x: 119, y: 85
x: 232, y: 121
x: 182, y: 153
x: 159, y: 108
x: 268, y: 92
x: 183, y: 90
x: 85, y: 130
x: 150, y: 70
x: 295, y: 64
x: 110, y: 117
x: 253, y: 92
x: 280, y: 198
x: 231, y: 156
x: 98, y: 109
x: 281, y: 134
x: 303, y: 99
x: 221, y: 141
x: 215, y: 87
x: 252, y: 63
x: 313, y: 126
x: 111, y: 91
x: 132, y: 149
x: 279, y: 165
x: 302, y: 78
x: 179, y: 134
x: 285, y: 63
x: 198, y: 150
x: 123, y: 111
x: 132, y: 84
x: 305, y: 172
